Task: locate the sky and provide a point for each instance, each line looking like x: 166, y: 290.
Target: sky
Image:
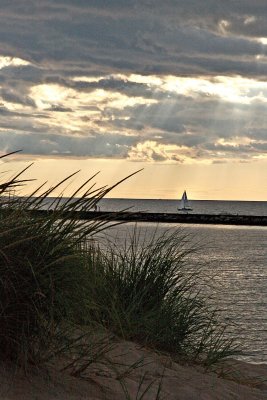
x: 176, y: 88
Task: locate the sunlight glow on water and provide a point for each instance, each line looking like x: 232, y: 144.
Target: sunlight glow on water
x: 236, y: 257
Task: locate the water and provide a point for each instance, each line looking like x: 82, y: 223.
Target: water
x: 198, y: 206
x: 236, y: 257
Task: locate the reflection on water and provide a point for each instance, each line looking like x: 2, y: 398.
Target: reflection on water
x: 236, y: 257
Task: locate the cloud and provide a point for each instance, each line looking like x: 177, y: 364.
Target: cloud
x: 39, y: 143
x: 131, y: 37
x: 57, y: 108
x: 181, y: 123
x: 11, y: 96
x: 168, y: 81
x: 148, y: 151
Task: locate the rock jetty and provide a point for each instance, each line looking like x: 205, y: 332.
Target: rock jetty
x: 225, y: 219
x: 181, y: 218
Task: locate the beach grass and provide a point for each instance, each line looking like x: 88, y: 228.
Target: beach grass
x: 42, y: 278
x: 152, y: 293
x: 54, y: 280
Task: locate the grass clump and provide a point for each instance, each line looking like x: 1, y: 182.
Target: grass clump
x: 149, y: 292
x: 43, y: 281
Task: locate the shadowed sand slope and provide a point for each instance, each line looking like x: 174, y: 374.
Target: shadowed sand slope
x: 128, y: 371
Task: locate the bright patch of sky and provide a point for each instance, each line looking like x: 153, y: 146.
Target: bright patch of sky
x: 12, y: 61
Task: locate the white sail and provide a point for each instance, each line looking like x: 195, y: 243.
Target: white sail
x: 184, y: 203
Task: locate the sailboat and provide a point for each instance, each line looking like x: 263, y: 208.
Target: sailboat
x: 184, y: 203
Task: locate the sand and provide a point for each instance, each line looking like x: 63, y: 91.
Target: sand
x: 135, y: 370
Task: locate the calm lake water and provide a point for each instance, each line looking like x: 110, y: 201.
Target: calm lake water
x: 236, y: 257
x: 198, y: 206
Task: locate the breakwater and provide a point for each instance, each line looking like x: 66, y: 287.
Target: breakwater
x: 225, y: 219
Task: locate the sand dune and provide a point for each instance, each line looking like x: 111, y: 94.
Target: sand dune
x: 130, y: 368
